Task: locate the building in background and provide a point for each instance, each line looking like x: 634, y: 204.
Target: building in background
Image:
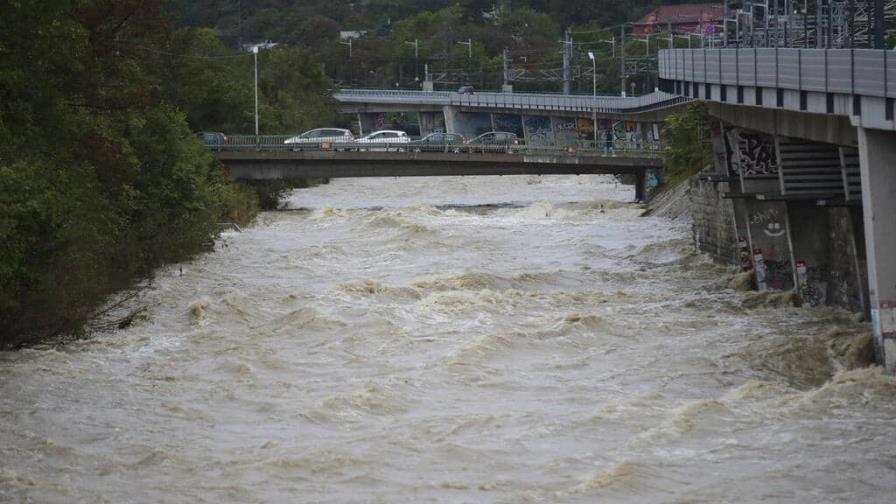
x: 684, y: 18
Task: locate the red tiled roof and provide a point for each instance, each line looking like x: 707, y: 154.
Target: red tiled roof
x: 683, y: 14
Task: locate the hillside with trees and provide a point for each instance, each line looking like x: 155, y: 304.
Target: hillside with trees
x: 384, y: 56
x: 102, y: 178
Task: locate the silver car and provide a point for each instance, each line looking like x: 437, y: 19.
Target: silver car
x: 313, y: 139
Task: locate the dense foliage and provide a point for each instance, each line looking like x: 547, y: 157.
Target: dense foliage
x: 102, y: 178
x: 531, y: 30
x: 687, y: 146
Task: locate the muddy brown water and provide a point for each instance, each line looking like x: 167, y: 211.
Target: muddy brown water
x: 483, y: 340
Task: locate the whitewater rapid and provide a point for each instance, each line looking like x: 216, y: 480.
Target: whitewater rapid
x: 483, y: 340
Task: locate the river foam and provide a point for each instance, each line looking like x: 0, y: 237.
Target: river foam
x: 469, y: 339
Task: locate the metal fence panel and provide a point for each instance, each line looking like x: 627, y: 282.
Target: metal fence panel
x: 746, y: 63
x: 729, y: 66
x: 766, y: 68
x: 788, y: 68
x: 869, y: 72
x: 812, y: 69
x: 840, y: 72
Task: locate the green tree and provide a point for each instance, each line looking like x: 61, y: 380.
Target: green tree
x: 687, y: 149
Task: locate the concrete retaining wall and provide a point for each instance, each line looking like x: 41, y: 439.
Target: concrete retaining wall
x: 714, y: 229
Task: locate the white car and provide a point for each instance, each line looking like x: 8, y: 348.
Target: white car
x: 385, y: 137
x: 314, y: 138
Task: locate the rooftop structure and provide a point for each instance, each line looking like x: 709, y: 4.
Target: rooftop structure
x: 685, y: 18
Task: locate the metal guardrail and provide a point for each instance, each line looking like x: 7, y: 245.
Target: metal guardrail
x: 275, y: 143
x: 868, y: 72
x: 515, y: 101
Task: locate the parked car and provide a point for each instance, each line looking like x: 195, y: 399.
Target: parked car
x: 438, y: 142
x: 212, y: 139
x: 495, y: 141
x: 384, y: 137
x: 313, y: 139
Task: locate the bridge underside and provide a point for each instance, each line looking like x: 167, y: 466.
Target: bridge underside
x: 249, y: 165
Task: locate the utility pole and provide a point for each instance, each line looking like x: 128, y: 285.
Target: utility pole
x: 724, y: 23
x: 777, y: 19
x: 612, y: 43
x: 879, y: 24
x: 506, y: 58
x: 622, y: 58
x: 255, y: 53
x: 567, y: 62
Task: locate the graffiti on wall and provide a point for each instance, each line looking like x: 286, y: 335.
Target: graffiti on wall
x: 512, y: 123
x: 767, y: 221
x: 751, y: 154
x: 538, y: 130
x: 585, y: 128
x: 565, y: 130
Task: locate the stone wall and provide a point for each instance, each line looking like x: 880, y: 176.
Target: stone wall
x: 714, y: 229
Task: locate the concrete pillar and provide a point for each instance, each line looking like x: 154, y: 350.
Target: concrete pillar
x: 450, y: 119
x: 641, y: 186
x: 877, y: 158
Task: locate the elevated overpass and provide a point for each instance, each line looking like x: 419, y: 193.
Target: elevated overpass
x: 541, y: 119
x: 806, y: 145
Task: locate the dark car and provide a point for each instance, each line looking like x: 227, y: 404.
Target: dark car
x: 468, y: 89
x: 212, y: 139
x: 495, y: 141
x: 439, y: 142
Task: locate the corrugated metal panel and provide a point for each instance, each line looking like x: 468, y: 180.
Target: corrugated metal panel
x: 729, y: 66
x: 839, y: 72
x: 812, y: 66
x: 788, y: 66
x: 809, y: 168
x: 870, y: 72
x: 765, y: 65
x: 747, y: 62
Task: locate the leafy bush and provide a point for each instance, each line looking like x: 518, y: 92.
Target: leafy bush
x: 687, y: 150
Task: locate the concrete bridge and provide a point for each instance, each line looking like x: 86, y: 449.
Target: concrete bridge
x: 269, y: 158
x: 805, y: 151
x: 541, y: 119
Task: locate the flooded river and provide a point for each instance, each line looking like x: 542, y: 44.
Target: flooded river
x: 478, y: 340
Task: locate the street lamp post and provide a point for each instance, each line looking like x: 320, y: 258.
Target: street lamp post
x: 416, y: 45
x: 351, y: 66
x: 255, y: 57
x: 594, y: 94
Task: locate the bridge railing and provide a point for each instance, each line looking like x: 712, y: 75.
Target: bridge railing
x: 868, y: 72
x: 276, y: 143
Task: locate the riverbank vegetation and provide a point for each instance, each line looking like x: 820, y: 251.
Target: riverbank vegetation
x: 687, y: 143
x: 102, y: 178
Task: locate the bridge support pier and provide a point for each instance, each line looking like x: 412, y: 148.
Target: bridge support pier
x: 877, y: 155
x: 641, y: 186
